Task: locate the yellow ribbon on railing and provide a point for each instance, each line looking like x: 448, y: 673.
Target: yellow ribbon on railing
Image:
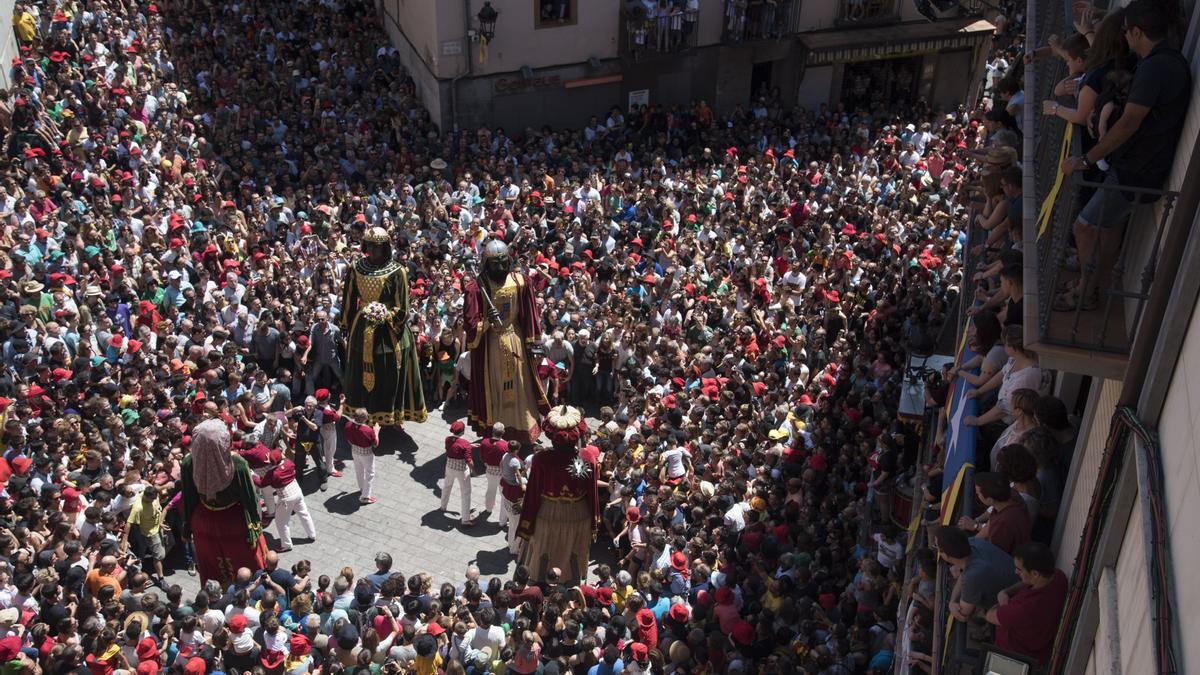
x: 482, y: 50
x: 1043, y: 219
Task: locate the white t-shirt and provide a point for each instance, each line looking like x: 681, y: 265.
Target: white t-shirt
x: 674, y: 459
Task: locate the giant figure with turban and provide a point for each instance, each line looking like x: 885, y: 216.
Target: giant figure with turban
x: 220, y: 506
x: 561, y: 508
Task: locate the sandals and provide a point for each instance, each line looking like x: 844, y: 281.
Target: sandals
x: 1071, y: 301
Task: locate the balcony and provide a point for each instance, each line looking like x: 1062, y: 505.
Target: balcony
x: 867, y: 12
x: 1113, y: 259
x: 645, y: 33
x: 751, y: 20
x: 1118, y: 260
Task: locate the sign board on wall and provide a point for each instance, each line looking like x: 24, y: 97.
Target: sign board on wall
x: 452, y: 48
x: 517, y: 85
x: 639, y: 97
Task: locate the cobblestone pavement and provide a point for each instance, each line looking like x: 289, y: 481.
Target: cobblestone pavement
x: 407, y: 521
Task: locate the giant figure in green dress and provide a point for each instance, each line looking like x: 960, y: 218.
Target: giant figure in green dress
x: 381, y: 372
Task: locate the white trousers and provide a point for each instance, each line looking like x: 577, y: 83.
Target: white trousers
x: 510, y: 517
x: 364, y: 470
x: 463, y: 478
x: 493, y: 485
x: 291, y: 500
x: 328, y: 447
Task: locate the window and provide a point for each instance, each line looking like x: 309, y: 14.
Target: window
x: 555, y: 13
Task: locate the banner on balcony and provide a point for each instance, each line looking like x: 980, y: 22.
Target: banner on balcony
x: 1043, y: 219
x: 960, y: 440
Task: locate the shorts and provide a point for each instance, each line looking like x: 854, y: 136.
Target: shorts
x: 151, y: 545
x: 1107, y: 206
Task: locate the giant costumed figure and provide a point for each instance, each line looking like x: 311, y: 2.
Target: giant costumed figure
x: 562, y: 507
x: 502, y: 327
x: 220, y: 506
x: 381, y: 370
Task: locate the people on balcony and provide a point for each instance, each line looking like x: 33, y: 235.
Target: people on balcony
x: 983, y: 571
x: 1139, y: 142
x: 1021, y: 372
x: 1006, y: 522
x: 1026, y: 614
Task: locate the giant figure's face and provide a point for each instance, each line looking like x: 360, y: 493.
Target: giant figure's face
x: 497, y: 268
x: 377, y: 254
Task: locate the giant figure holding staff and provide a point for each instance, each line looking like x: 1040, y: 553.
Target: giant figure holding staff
x: 502, y: 327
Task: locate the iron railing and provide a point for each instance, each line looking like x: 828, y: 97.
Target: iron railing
x: 1114, y: 265
x: 647, y: 34
x: 747, y: 20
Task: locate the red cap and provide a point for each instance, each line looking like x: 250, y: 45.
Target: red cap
x: 238, y: 623
x: 679, y: 561
x: 435, y: 629
x: 457, y: 427
x: 146, y: 649
x: 632, y: 514
x: 678, y: 613
x: 639, y: 652
x: 743, y: 633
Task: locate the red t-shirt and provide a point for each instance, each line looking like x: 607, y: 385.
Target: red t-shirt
x: 491, y: 450
x: 1029, y: 621
x: 458, y: 447
x: 1011, y: 527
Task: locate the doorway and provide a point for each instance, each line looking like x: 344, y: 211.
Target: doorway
x: 760, y: 80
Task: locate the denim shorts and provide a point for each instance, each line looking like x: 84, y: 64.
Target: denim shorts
x: 1107, y: 206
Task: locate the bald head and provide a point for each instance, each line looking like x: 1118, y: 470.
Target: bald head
x: 271, y: 560
x: 243, y: 575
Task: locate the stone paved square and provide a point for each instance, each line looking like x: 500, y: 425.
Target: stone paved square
x: 407, y: 521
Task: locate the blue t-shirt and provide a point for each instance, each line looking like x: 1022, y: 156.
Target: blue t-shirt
x: 602, y: 668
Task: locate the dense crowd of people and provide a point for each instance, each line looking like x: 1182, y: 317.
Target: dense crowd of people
x: 734, y: 296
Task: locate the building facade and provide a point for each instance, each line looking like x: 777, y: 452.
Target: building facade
x: 1124, y: 369
x: 559, y: 62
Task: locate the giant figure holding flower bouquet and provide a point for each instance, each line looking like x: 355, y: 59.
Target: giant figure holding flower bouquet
x: 381, y: 371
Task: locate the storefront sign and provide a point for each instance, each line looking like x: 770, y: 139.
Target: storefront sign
x: 639, y: 97
x: 516, y: 85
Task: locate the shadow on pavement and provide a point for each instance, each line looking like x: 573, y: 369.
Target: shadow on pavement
x: 440, y: 520
x: 492, y: 562
x: 430, y: 474
x: 343, y: 503
x: 396, y: 442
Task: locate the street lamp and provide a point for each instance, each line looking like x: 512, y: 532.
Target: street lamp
x: 487, y: 21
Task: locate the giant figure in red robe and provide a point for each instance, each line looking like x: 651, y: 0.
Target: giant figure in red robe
x: 502, y: 326
x: 562, y: 504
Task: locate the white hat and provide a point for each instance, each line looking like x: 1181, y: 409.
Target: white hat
x: 174, y: 274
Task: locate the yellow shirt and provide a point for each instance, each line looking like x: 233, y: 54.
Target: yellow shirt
x: 428, y: 665
x: 620, y: 594
x: 148, y: 521
x: 24, y: 27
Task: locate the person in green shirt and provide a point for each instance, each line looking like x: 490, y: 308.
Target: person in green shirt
x: 145, y: 526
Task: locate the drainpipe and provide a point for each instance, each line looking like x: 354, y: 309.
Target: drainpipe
x: 469, y: 69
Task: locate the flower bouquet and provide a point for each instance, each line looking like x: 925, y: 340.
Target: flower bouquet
x: 377, y: 314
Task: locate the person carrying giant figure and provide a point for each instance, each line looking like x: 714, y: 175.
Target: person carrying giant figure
x: 220, y: 506
x: 502, y: 329
x: 381, y: 371
x: 561, y: 509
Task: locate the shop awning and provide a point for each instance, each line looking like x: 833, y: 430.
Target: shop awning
x: 894, y: 41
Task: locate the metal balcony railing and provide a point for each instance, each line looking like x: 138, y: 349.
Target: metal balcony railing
x: 748, y: 20
x: 867, y: 11
x: 647, y: 34
x: 1114, y: 264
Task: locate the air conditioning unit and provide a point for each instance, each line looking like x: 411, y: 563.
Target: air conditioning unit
x: 936, y: 9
